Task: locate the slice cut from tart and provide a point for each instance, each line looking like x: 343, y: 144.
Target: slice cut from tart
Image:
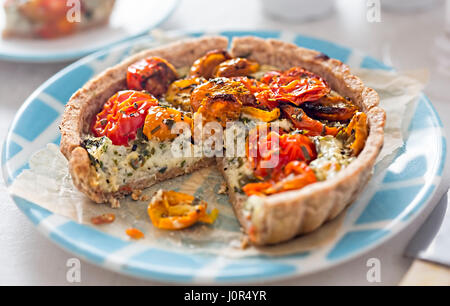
x: 293, y: 132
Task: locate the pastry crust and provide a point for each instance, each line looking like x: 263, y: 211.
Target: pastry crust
x: 282, y: 216
x: 88, y: 101
x: 278, y: 217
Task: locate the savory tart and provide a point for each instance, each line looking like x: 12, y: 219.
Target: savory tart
x: 294, y: 134
x: 48, y: 18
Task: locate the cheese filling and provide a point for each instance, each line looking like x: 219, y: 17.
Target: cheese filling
x: 118, y: 166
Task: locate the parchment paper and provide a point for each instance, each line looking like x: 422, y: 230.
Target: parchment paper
x: 48, y: 184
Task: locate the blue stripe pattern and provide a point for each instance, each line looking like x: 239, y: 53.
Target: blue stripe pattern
x: 28, y: 126
x: 354, y: 241
x: 86, y: 241
x: 369, y: 62
x: 331, y: 49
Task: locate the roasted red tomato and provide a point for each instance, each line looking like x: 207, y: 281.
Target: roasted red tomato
x: 296, y: 85
x: 270, y: 154
x: 261, y: 91
x: 152, y: 74
x: 270, y: 76
x: 296, y: 175
x: 122, y: 115
x: 285, y: 158
x: 301, y: 121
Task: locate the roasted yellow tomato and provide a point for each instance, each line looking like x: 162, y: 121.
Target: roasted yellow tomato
x: 236, y: 67
x: 152, y: 74
x: 332, y: 107
x: 207, y: 64
x: 220, y: 108
x: 179, y: 92
x: 221, y: 87
x: 160, y: 120
x: 265, y: 116
x: 173, y: 210
x: 357, y: 132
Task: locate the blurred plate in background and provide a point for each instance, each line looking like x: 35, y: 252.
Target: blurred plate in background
x: 130, y: 19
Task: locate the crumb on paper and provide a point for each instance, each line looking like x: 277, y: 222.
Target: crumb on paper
x: 245, y: 242
x: 103, y: 219
x: 114, y: 203
x: 136, y: 194
x: 223, y: 188
x: 145, y: 198
x: 240, y: 244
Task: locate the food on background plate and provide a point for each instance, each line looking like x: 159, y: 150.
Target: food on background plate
x: 47, y: 19
x: 310, y: 133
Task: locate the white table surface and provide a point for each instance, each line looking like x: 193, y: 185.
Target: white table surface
x: 404, y: 40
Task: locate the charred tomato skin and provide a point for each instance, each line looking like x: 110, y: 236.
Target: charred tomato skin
x: 332, y: 108
x: 221, y: 87
x: 302, y: 121
x: 152, y: 74
x: 122, y: 115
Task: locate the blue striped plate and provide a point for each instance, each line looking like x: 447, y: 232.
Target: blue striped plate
x: 404, y: 188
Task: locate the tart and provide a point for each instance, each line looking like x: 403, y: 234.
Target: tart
x: 299, y: 134
x: 46, y: 19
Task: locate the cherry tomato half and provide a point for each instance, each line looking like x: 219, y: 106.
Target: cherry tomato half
x: 276, y: 151
x: 296, y: 175
x: 261, y: 91
x: 159, y: 122
x: 153, y: 74
x: 122, y: 115
x: 296, y: 85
